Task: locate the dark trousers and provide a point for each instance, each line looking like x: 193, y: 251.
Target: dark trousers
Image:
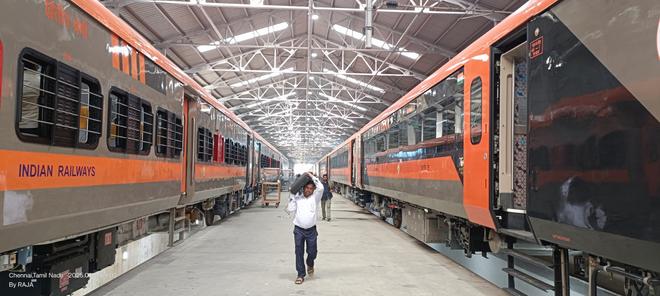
x: 302, y: 236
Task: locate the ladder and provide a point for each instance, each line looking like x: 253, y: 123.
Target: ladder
x: 177, y: 225
x: 559, y: 265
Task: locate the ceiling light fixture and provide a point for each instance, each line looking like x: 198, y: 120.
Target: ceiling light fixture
x: 333, y: 99
x: 280, y: 98
x: 374, y: 41
x: 275, y: 73
x: 245, y: 36
x: 355, y: 81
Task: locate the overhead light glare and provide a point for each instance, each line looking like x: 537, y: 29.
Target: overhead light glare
x: 315, y: 16
x: 333, y: 99
x: 275, y: 73
x: 355, y: 81
x: 280, y: 98
x: 257, y: 33
x: 374, y: 41
x: 245, y: 36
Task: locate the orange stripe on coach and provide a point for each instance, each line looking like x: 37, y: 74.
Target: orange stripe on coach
x: 210, y: 172
x: 439, y: 168
x: 106, y: 170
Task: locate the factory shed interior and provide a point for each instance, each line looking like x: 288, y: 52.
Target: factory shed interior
x: 330, y: 147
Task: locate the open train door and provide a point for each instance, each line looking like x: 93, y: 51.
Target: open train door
x: 476, y: 141
x: 511, y: 116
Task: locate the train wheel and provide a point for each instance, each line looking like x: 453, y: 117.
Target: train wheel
x: 209, y: 217
x: 397, y: 217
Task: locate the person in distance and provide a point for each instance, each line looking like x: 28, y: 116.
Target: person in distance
x: 325, y: 200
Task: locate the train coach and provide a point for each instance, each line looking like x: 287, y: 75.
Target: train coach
x: 102, y: 133
x: 543, y: 130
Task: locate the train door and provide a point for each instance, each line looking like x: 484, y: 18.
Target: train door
x: 351, y: 169
x: 512, y: 130
x: 358, y: 155
x: 191, y: 107
x: 257, y: 163
x: 476, y: 136
x: 248, y: 176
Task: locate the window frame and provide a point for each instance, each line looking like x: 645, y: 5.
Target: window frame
x: 207, y: 135
x: 53, y: 71
x: 95, y: 81
x: 476, y: 138
x: 141, y: 103
x: 171, y: 120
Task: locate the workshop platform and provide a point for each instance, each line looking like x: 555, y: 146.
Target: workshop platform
x: 252, y: 253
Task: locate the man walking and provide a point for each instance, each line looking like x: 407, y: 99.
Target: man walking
x: 304, y: 232
x: 325, y: 200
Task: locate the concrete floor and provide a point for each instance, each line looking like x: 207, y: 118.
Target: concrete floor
x: 251, y: 253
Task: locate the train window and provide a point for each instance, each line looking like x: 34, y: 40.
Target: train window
x: 131, y: 124
x: 243, y: 155
x: 475, y: 111
x: 118, y: 121
x: 91, y: 112
x: 204, y: 145
x: 37, y: 99
x: 227, y: 152
x: 178, y: 135
x: 429, y: 124
x: 146, y: 127
x: 393, y: 137
x: 436, y: 114
x: 380, y: 143
x: 59, y: 105
x: 414, y: 129
x: 169, y: 134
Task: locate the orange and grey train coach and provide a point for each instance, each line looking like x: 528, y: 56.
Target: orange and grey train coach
x: 100, y: 130
x: 545, y: 129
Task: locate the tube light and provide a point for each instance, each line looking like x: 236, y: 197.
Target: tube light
x: 355, y: 81
x: 333, y: 99
x: 280, y: 98
x: 260, y: 78
x: 374, y: 41
x: 245, y: 36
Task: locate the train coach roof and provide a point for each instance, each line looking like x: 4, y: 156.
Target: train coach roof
x: 116, y: 25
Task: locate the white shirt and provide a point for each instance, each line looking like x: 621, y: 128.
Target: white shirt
x: 306, y: 208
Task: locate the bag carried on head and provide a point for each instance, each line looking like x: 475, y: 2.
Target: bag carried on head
x: 299, y: 183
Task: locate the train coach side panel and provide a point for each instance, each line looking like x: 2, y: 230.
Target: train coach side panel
x: 215, y: 177
x: 594, y: 140
x: 340, y: 166
x: 48, y: 192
